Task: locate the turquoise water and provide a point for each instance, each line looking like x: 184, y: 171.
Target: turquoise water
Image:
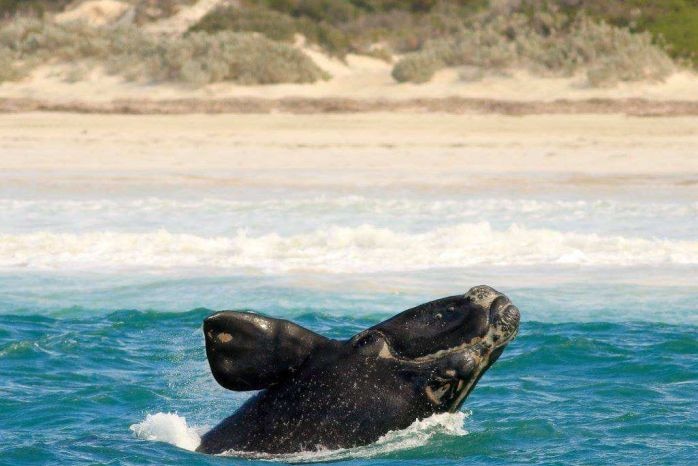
x: 101, y: 303
x: 584, y: 392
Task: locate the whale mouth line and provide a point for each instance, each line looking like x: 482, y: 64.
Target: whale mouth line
x: 509, y: 328
x: 390, y: 353
x: 468, y: 386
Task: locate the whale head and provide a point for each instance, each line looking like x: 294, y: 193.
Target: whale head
x: 451, y: 341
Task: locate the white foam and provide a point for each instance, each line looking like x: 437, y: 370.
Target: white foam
x: 167, y: 427
x: 336, y: 249
x: 418, y: 434
x: 162, y: 209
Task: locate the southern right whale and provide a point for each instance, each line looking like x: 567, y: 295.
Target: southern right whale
x: 318, y: 392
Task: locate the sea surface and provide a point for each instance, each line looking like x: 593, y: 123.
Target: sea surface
x: 102, y: 297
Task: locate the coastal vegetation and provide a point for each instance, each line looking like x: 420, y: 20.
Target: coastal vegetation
x: 197, y: 58
x: 257, y: 41
x: 546, y: 43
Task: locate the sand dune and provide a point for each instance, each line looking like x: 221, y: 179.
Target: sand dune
x: 360, y: 78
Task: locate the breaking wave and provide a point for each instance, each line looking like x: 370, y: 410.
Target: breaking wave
x: 213, y: 216
x: 372, y: 204
x: 336, y: 249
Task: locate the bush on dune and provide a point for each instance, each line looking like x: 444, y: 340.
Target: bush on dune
x: 31, y: 7
x: 674, y: 21
x: 202, y: 58
x: 343, y: 26
x: 403, y: 31
x: 274, y: 25
x: 145, y: 10
x: 251, y: 41
x: 270, y: 23
x: 549, y: 37
x: 149, y: 10
x: 547, y: 43
x: 197, y: 58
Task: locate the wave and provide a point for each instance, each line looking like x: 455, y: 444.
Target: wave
x: 369, y: 203
x: 172, y: 428
x: 335, y: 249
x: 361, y: 203
x: 213, y: 216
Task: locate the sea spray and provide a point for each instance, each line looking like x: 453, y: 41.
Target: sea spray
x: 168, y: 428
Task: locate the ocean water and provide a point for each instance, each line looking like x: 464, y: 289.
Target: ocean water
x: 102, y: 297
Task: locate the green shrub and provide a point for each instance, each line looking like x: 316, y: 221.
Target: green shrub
x: 30, y: 7
x: 147, y: 10
x: 333, y: 40
x: 402, y: 31
x: 270, y: 23
x: 418, y: 67
x: 329, y: 11
x: 671, y: 22
x: 628, y: 57
x: 276, y: 26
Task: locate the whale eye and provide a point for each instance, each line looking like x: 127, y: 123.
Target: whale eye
x: 439, y: 315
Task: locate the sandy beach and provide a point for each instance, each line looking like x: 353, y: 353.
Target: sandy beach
x: 354, y: 151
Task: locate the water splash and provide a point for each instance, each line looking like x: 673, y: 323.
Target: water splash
x: 169, y: 428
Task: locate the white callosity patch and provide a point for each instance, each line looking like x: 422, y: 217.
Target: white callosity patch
x: 338, y: 249
x: 483, y: 296
x: 168, y: 428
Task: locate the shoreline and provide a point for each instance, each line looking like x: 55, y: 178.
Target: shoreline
x: 636, y: 106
